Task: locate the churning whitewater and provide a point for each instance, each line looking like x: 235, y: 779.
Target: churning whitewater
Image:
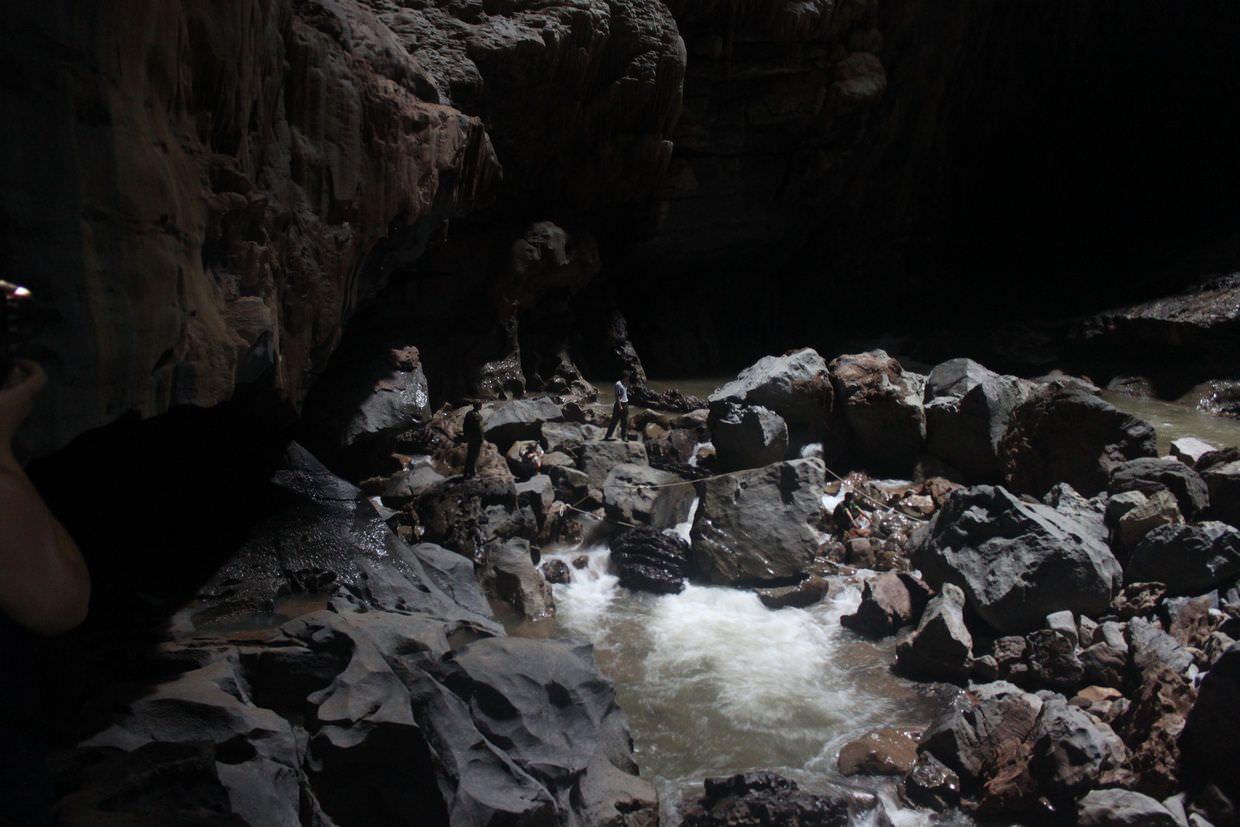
x: 715, y: 683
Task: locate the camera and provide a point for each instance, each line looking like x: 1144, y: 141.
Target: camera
x: 16, y: 324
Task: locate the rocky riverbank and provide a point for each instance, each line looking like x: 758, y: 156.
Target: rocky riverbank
x: 345, y: 666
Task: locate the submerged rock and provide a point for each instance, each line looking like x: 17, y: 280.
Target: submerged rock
x: 1066, y: 435
x: 1017, y: 562
x: 759, y: 525
x: 886, y: 751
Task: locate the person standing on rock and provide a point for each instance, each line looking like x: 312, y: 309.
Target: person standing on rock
x: 620, y: 409
x: 44, y: 590
x: 473, y: 438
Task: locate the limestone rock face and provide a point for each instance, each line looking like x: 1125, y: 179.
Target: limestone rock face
x: 233, y: 250
x: 1017, y: 562
x: 293, y: 156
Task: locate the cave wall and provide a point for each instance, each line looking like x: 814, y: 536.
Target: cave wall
x: 206, y: 194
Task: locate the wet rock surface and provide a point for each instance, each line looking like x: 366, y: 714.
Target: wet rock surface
x: 651, y: 560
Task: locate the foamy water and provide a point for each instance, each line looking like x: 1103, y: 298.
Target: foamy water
x: 715, y: 683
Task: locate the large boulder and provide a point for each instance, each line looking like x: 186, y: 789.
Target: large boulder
x: 889, y: 601
x: 357, y: 413
x: 764, y: 799
x: 981, y: 729
x: 941, y: 648
x: 349, y: 703
x: 1189, y: 559
x: 650, y: 560
x: 796, y: 386
x: 1017, y: 562
x: 596, y: 459
x: 1122, y: 808
x: 1190, y: 450
x: 967, y: 410
x: 1073, y: 752
x: 1213, y: 727
x: 569, y: 436
x: 557, y: 718
x: 759, y: 525
x: 641, y: 495
x: 1223, y: 481
x: 746, y: 436
x: 466, y: 514
x: 506, y: 422
x: 883, y: 407
x: 1062, y: 434
x: 509, y: 574
x: 1152, y: 474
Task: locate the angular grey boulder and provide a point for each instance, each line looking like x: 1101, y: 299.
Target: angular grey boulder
x: 1189, y: 559
x: 1062, y: 434
x: 967, y: 409
x: 941, y: 649
x: 1152, y: 474
x: 759, y: 525
x: 506, y: 422
x: 795, y: 386
x: 1017, y: 562
x: 746, y: 436
x: 597, y: 459
x: 1122, y: 808
x: 1073, y: 751
x: 639, y: 494
x: 1223, y: 481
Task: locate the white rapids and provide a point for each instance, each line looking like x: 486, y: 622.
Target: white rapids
x: 715, y: 683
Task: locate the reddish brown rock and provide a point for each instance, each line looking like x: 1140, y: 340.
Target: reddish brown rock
x: 886, y: 751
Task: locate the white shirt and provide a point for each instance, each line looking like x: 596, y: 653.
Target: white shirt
x: 622, y: 393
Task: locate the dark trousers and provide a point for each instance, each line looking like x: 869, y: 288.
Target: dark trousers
x: 619, y: 413
x: 471, y: 458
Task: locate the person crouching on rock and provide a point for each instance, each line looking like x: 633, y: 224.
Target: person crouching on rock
x: 620, y: 410
x: 473, y: 438
x: 44, y: 590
